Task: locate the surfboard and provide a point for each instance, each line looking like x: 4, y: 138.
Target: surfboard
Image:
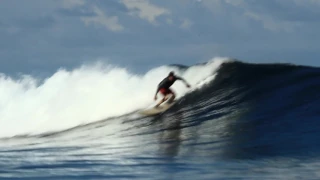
x: 154, y: 111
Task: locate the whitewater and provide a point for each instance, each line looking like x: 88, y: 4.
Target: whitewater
x: 30, y: 106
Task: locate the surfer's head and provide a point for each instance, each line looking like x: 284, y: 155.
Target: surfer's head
x: 171, y: 75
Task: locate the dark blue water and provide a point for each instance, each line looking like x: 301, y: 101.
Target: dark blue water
x: 254, y: 121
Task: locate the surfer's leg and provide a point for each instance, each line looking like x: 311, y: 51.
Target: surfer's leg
x: 173, y: 96
x: 163, y: 100
x: 166, y: 93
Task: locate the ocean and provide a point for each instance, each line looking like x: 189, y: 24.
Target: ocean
x: 237, y: 121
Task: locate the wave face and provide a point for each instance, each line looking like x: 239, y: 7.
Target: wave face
x: 239, y: 121
x: 275, y: 107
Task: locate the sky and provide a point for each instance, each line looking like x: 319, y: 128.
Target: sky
x: 39, y: 36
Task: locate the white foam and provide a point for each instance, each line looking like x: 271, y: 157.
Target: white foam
x: 87, y: 94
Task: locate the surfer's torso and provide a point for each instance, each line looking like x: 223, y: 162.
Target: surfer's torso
x: 166, y: 83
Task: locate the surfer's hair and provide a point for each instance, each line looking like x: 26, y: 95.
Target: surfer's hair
x: 171, y: 73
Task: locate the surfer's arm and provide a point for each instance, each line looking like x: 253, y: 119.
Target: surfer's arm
x: 183, y: 80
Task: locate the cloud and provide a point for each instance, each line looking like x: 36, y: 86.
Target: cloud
x: 169, y: 21
x: 145, y: 10
x: 111, y: 23
x: 271, y: 24
x: 307, y: 2
x: 272, y: 15
x: 69, y: 4
x: 235, y: 2
x: 75, y: 12
x: 186, y: 24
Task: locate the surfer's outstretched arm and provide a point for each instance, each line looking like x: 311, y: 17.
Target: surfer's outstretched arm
x: 184, y: 81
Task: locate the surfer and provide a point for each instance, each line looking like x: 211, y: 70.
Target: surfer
x: 164, y: 87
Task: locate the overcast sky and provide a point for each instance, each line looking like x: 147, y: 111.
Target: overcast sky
x: 44, y: 35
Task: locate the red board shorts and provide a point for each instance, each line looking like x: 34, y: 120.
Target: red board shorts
x: 165, y: 91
